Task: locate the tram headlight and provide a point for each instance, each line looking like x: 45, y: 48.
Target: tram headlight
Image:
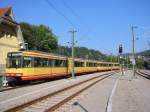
x: 18, y: 74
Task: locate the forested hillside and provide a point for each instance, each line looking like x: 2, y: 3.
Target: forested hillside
x: 40, y: 37
x: 145, y: 53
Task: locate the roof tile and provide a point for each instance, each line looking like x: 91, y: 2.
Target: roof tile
x: 3, y: 11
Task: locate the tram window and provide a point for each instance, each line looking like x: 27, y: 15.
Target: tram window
x: 100, y: 64
x: 45, y: 62
x: 82, y: 64
x: 92, y: 64
x: 53, y: 63
x: 95, y: 64
x: 116, y: 64
x: 76, y: 64
x: 86, y: 64
x: 27, y: 62
x: 50, y: 62
x: 57, y: 63
x: 37, y: 62
x: 79, y: 64
x: 64, y: 63
x: 14, y: 62
x: 89, y: 64
x: 104, y: 64
x: 60, y: 63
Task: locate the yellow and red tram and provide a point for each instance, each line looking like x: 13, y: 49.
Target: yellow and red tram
x: 31, y: 65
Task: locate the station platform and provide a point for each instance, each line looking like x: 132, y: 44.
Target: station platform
x: 11, y: 98
x: 118, y: 93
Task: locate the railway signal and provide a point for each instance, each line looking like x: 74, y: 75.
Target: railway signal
x: 120, y: 49
x: 120, y: 57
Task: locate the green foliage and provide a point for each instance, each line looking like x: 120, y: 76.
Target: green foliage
x: 140, y: 63
x: 81, y: 52
x: 111, y: 58
x: 39, y: 37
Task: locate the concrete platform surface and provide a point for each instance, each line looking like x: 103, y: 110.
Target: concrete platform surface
x: 11, y: 98
x: 117, y: 94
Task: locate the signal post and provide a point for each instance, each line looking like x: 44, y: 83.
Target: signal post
x: 120, y: 58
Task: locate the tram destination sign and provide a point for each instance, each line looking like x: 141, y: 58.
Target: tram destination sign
x: 14, y: 54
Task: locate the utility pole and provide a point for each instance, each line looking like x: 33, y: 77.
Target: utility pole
x: 127, y: 59
x: 133, y: 49
x: 149, y: 44
x: 111, y: 61
x: 73, y: 31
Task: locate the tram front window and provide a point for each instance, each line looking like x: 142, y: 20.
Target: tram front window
x: 14, y: 61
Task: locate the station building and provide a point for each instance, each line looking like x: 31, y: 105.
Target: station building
x: 11, y: 38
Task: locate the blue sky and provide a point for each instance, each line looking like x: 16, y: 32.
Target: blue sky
x: 101, y: 24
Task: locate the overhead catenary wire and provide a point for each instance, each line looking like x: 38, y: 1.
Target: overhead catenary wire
x: 144, y: 31
x: 80, y: 21
x: 60, y: 13
x: 67, y: 19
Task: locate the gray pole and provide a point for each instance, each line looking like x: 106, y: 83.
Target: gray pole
x: 111, y: 61
x: 133, y: 49
x: 127, y: 62
x: 73, y: 31
x: 149, y: 44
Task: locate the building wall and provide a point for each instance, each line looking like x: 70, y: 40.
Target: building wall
x: 8, y: 43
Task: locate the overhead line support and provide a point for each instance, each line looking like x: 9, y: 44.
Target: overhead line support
x: 73, y: 71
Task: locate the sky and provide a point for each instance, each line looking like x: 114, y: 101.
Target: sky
x: 101, y: 24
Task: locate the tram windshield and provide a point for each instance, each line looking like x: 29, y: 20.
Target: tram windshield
x: 14, y: 60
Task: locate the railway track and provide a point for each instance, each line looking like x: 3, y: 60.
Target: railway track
x: 7, y: 88
x: 54, y: 101
x: 143, y: 74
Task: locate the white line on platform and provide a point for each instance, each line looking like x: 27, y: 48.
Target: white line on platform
x: 31, y: 93
x: 109, y: 104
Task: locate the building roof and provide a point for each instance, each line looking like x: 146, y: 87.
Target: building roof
x: 7, y: 15
x: 4, y: 11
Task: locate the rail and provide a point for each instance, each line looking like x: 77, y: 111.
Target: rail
x: 143, y: 74
x: 56, y: 99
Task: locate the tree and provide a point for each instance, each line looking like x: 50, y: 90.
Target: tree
x: 39, y: 37
x: 140, y: 63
